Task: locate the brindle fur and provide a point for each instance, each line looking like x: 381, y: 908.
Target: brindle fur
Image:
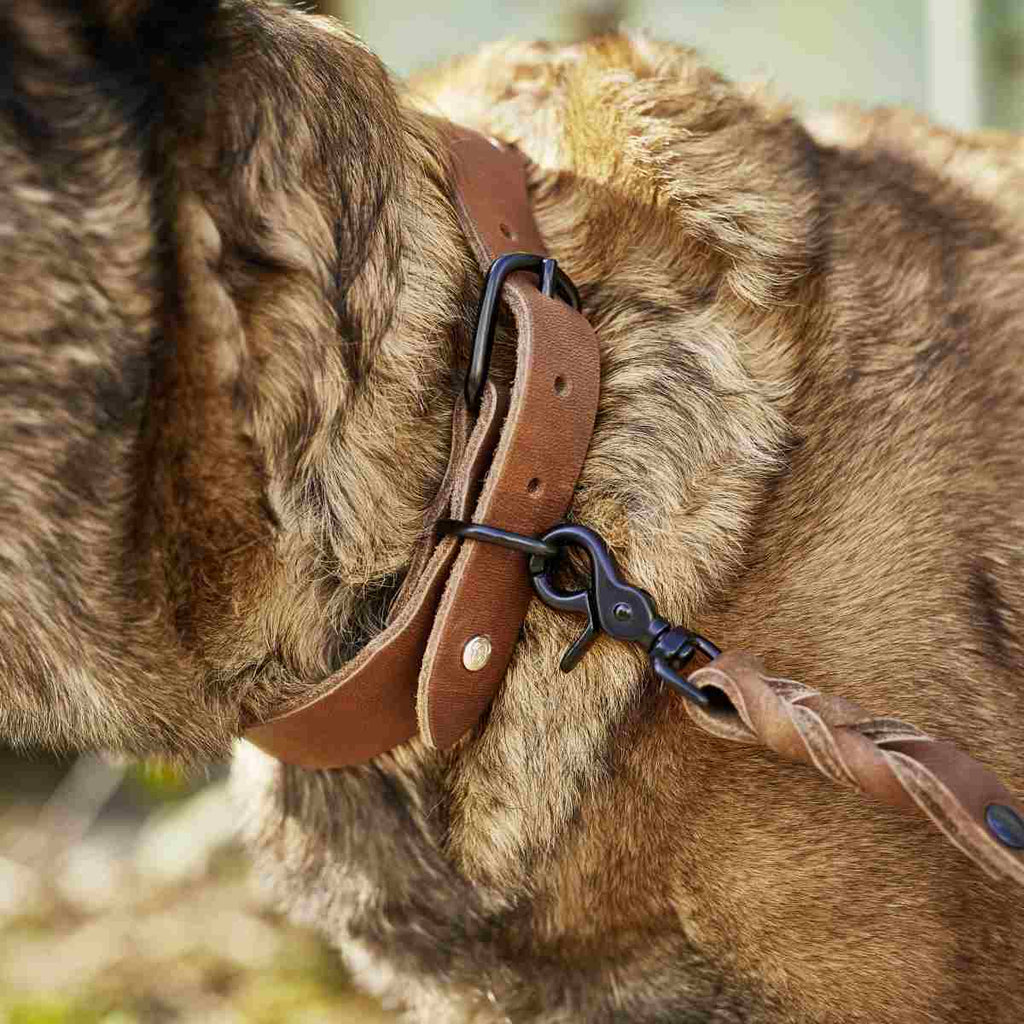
x: 234, y: 309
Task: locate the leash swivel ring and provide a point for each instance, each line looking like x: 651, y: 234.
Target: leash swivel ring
x: 612, y: 606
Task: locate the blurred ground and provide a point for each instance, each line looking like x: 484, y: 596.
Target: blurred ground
x: 124, y: 899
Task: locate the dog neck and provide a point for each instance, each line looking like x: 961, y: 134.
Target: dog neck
x: 690, y: 434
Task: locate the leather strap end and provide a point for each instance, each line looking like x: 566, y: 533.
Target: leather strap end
x: 538, y: 460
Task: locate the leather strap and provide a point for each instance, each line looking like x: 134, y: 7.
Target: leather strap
x: 369, y: 705
x: 534, y: 441
x: 881, y: 757
x: 539, y: 458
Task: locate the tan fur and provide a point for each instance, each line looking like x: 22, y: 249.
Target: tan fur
x: 235, y: 313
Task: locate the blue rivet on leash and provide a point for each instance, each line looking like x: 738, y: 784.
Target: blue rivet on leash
x: 1006, y: 825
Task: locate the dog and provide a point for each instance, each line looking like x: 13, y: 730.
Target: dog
x: 235, y: 315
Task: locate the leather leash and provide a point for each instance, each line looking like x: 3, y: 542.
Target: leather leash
x: 515, y: 459
x: 880, y: 757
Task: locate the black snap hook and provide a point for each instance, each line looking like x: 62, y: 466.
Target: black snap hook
x: 610, y: 604
x: 619, y: 609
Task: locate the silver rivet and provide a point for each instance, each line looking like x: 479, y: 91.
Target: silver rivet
x: 1006, y: 825
x: 477, y: 653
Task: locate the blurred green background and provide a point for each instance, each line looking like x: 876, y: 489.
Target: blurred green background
x: 961, y: 61
x: 123, y: 896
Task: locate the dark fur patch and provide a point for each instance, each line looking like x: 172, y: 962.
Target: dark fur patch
x: 988, y: 616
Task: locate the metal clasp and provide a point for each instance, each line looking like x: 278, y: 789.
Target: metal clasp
x: 553, y: 282
x: 619, y: 609
x: 610, y: 604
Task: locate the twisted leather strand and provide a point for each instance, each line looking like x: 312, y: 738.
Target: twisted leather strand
x: 881, y: 757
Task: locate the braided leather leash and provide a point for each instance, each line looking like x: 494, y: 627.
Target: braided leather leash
x: 880, y: 757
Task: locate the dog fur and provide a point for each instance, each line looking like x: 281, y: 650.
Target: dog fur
x: 235, y: 311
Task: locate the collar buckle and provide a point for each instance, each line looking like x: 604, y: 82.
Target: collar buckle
x: 552, y: 282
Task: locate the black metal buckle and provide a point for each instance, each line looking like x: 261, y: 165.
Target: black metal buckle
x: 611, y: 605
x: 554, y: 283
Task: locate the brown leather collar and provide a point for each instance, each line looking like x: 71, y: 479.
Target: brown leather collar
x: 438, y: 664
